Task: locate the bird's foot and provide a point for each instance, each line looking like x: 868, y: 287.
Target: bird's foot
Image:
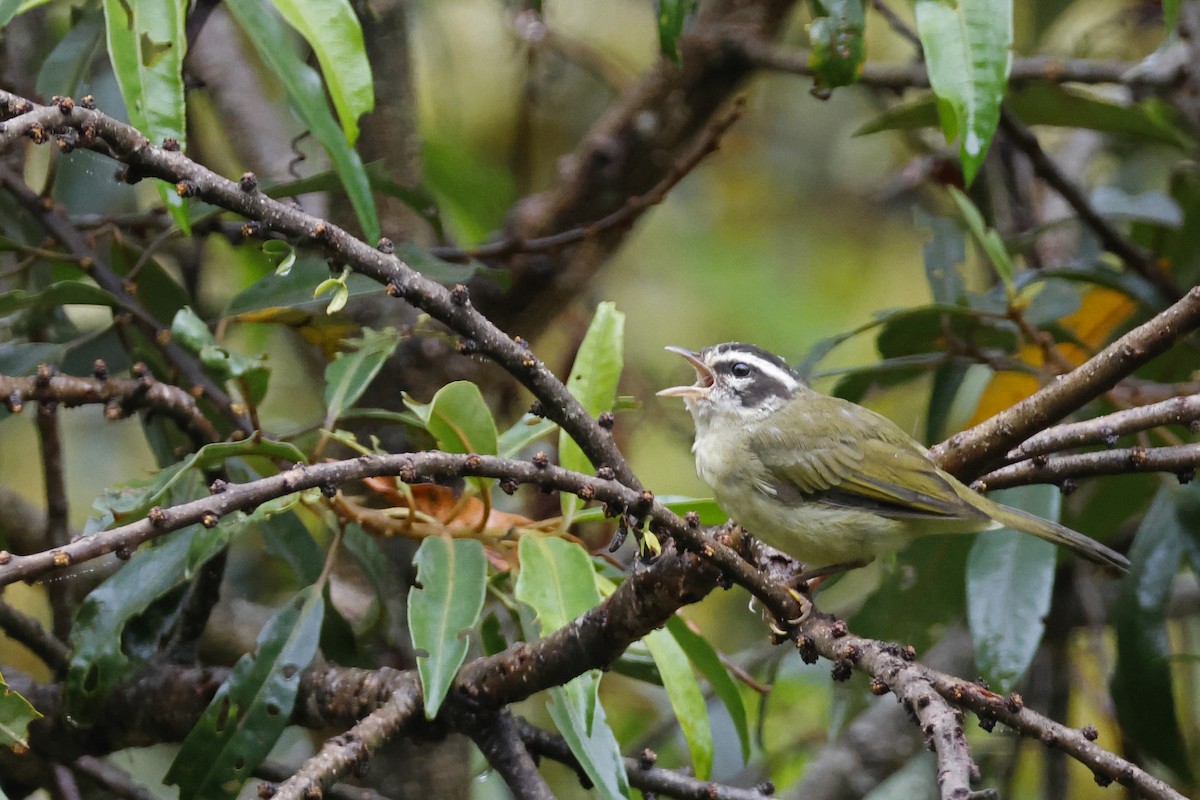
x: 806, y: 606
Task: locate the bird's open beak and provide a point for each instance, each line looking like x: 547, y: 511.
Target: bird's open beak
x: 704, y: 377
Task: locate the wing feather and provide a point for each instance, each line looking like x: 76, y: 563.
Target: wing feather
x: 852, y: 457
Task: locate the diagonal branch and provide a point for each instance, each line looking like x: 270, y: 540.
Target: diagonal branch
x: 970, y: 452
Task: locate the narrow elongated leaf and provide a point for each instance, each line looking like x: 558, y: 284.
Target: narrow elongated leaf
x: 706, y: 659
x: 350, y: 373
x: 15, y: 715
x: 593, y: 745
x: 1141, y: 684
x: 943, y: 254
x: 1010, y: 577
x: 443, y: 606
x: 1055, y: 105
x: 335, y: 35
x: 593, y: 382
x: 687, y: 701
x: 968, y: 51
x: 986, y: 237
x: 64, y: 69
x: 671, y: 16
x: 146, y: 44
x: 55, y: 295
x: 710, y: 513
x: 252, y: 707
x: 307, y: 96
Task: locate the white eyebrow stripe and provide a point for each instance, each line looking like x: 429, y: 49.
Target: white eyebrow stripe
x: 766, y: 367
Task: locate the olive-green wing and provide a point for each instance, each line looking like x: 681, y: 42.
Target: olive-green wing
x: 851, y: 457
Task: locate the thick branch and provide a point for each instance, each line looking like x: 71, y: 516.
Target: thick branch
x: 120, y: 397
x: 499, y: 739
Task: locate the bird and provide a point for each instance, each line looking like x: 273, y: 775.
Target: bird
x: 825, y: 480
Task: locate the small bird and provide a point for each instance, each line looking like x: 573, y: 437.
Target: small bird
x: 823, y: 479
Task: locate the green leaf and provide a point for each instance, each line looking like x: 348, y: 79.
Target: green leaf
x: 671, y: 16
x: 307, y: 96
x: 593, y: 382
x: 1010, y: 577
x: 287, y: 538
x: 593, y: 745
x: 968, y: 51
x: 556, y: 580
x: 335, y: 35
x: 373, y: 563
x: 252, y: 707
x: 943, y: 254
x: 1054, y: 105
x: 64, y: 70
x: 705, y: 657
x: 146, y: 44
x: 251, y: 372
x: 350, y: 373
x: 986, y: 237
x: 710, y: 513
x: 56, y: 295
x: 458, y: 418
x: 443, y: 606
x: 475, y: 192
x: 8, y: 10
x: 98, y: 661
x: 836, y: 37
x: 925, y: 329
x: 15, y: 715
x: 687, y: 700
x: 281, y: 254
x: 524, y: 432
x: 1141, y: 684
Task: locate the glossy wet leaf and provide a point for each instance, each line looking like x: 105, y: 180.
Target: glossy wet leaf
x: 253, y: 706
x: 443, y: 607
x: 968, y: 53
x: 1010, y: 578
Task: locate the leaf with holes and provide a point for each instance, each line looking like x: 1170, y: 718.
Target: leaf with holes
x: 443, y: 606
x: 252, y: 707
x: 15, y: 715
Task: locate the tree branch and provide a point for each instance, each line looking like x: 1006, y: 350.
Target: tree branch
x: 1110, y: 427
x: 499, y: 739
x: 970, y: 452
x: 1182, y: 460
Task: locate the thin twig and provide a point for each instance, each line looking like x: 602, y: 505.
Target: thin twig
x: 28, y: 631
x: 1109, y: 428
x: 1110, y: 238
x: 1181, y: 460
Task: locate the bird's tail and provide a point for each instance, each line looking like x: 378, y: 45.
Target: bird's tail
x: 1058, y: 534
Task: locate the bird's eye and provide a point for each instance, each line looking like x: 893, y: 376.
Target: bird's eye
x: 740, y: 370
